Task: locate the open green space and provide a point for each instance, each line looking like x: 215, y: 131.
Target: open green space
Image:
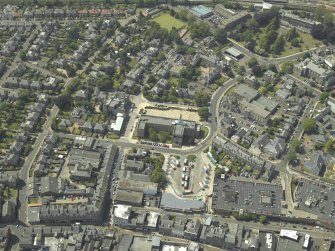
x: 307, y: 42
x: 167, y: 21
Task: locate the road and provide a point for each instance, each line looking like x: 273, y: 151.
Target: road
x: 44, y: 71
x: 123, y: 142
x: 276, y: 61
x: 17, y: 59
x: 24, y: 172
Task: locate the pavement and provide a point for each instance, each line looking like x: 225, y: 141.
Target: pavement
x: 24, y: 172
x: 282, y: 166
x: 17, y: 59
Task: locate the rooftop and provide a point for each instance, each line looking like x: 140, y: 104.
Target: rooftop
x: 289, y: 234
x: 129, y: 196
x: 234, y: 52
x: 201, y: 10
x: 122, y: 211
x: 172, y: 202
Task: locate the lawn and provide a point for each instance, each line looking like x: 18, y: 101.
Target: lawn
x: 308, y: 43
x: 167, y: 21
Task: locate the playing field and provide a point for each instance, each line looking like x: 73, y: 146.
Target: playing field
x: 167, y: 21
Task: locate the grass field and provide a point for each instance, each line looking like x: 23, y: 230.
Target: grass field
x: 308, y: 43
x: 167, y: 21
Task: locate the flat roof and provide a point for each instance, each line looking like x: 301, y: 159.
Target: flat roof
x: 152, y: 219
x: 163, y: 121
x: 117, y: 125
x: 268, y: 104
x: 171, y: 201
x: 137, y: 185
x: 173, y: 248
x: 291, y: 234
x: 33, y: 214
x: 129, y: 196
x: 201, y: 10
x: 234, y: 52
x: 122, y: 211
x: 249, y: 198
x: 246, y: 92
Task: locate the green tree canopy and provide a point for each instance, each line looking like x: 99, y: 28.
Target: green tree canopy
x: 291, y: 34
x: 262, y: 219
x: 309, y: 125
x: 252, y: 61
x: 220, y: 35
x: 203, y: 113
x: 152, y: 134
x: 63, y: 102
x: 287, y: 67
x: 202, y: 99
x: 323, y: 97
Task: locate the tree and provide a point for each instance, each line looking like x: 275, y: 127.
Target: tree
x: 318, y: 31
x: 295, y: 42
x: 329, y: 145
x: 252, y: 62
x: 152, y: 134
x: 182, y: 83
x: 218, y: 172
x: 189, y: 73
x: 63, y: 102
x: 158, y: 176
x: 278, y: 45
x: 183, y: 14
x: 109, y: 69
x: 291, y: 155
x: 251, y: 45
x: 295, y: 145
x: 309, y: 125
x: 272, y: 67
x: 262, y: 219
x: 24, y: 95
x: 220, y: 35
x: 331, y: 37
x: 256, y: 70
x: 202, y: 99
x: 163, y: 136
x: 287, y: 67
x: 174, y: 35
x: 306, y: 55
x: 323, y: 97
x: 199, y: 29
x: 252, y: 25
x: 203, y: 113
x: 328, y: 19
x: 104, y: 83
x: 291, y: 34
x: 268, y: 39
x: 191, y: 157
x: 23, y: 55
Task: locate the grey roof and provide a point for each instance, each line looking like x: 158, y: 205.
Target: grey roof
x: 125, y: 243
x: 129, y: 197
x: 234, y: 52
x: 246, y: 92
x: 172, y: 202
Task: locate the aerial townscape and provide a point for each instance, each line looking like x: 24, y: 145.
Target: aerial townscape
x: 167, y: 125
